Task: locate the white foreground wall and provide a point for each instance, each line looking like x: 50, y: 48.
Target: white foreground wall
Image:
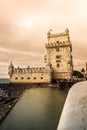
x: 74, y: 115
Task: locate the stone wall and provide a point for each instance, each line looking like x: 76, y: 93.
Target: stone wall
x: 31, y: 78
x: 30, y: 75
x: 74, y: 114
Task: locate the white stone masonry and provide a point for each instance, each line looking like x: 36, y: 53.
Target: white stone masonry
x: 74, y: 115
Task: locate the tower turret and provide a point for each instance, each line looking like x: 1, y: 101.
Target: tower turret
x: 67, y: 30
x: 11, y: 69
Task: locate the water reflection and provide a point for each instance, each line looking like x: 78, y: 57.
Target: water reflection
x: 38, y: 109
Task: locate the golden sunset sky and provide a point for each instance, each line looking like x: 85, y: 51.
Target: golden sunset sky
x: 24, y: 25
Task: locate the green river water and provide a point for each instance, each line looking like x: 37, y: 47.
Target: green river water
x: 37, y: 109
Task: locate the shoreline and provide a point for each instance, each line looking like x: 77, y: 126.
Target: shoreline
x: 8, y: 106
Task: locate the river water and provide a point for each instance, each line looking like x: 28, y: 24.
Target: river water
x: 37, y: 109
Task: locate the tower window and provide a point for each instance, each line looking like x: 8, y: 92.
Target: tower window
x: 22, y: 77
x: 57, y: 57
x: 28, y: 77
x: 41, y: 77
x: 16, y: 78
x: 34, y: 77
x: 58, y: 65
x: 57, y: 41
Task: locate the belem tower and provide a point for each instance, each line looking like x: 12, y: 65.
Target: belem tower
x: 58, y: 61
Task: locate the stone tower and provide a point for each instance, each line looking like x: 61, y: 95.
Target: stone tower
x: 59, y: 55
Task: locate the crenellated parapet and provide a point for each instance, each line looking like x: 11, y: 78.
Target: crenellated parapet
x: 31, y: 70
x: 66, y: 33
x: 27, y: 70
x: 58, y: 44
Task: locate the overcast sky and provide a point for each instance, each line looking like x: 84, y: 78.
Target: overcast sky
x: 24, y: 25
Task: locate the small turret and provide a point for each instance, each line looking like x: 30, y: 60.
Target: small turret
x: 11, y: 69
x: 49, y: 33
x: 67, y: 30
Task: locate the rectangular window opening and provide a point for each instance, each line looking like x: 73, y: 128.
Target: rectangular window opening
x: 58, y: 65
x: 28, y: 77
x: 34, y: 77
x: 22, y: 77
x: 16, y: 78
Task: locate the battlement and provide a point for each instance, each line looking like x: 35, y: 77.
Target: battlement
x: 58, y: 44
x: 66, y: 33
x: 31, y: 70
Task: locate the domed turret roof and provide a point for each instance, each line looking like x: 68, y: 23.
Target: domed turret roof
x: 11, y: 65
x: 67, y: 30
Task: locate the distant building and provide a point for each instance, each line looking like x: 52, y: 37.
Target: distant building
x: 58, y: 61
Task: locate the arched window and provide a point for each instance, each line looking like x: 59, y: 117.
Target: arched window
x: 57, y: 41
x: 57, y: 56
x: 22, y: 77
x: 41, y: 77
x: 34, y: 77
x: 16, y: 78
x: 58, y: 65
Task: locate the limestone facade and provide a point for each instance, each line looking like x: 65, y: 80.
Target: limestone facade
x: 29, y: 75
x: 59, y: 50
x: 58, y: 61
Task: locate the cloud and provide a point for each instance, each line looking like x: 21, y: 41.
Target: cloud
x: 26, y: 44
